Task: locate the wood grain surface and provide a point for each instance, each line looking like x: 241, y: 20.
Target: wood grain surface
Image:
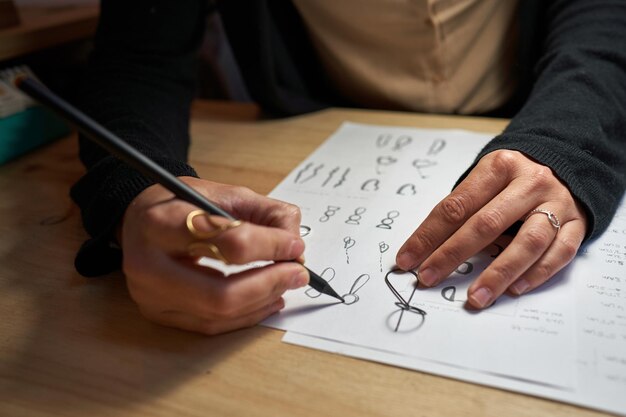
x: 44, y: 26
x: 71, y: 346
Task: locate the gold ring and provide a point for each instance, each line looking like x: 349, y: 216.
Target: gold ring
x: 219, y: 228
x: 554, y: 221
x: 199, y: 249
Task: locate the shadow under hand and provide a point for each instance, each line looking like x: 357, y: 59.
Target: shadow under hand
x: 306, y: 309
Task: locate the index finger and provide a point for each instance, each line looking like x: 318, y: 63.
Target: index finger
x: 453, y: 211
x: 250, y: 206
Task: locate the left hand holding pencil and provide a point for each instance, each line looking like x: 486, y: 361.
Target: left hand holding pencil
x: 160, y: 256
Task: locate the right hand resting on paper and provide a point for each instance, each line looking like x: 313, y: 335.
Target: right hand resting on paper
x: 172, y: 290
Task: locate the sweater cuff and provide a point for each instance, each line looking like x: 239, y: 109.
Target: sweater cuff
x: 586, y: 177
x: 103, y: 203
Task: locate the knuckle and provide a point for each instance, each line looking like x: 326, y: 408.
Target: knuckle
x: 489, y: 223
x: 243, y: 192
x: 152, y: 216
x: 570, y: 248
x: 454, y: 208
x: 502, y: 274
x: 503, y: 161
x: 543, y: 271
x: 537, y: 237
x: 291, y: 211
x: 277, y: 252
x: 279, y: 287
x: 422, y: 241
x: 236, y: 244
x: 541, y: 177
x: 452, y: 255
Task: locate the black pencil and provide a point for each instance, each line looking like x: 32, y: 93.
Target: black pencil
x: 146, y: 166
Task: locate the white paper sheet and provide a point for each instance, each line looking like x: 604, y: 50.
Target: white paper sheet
x: 362, y: 193
x: 599, y: 277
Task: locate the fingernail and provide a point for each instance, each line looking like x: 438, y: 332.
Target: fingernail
x: 406, y: 260
x: 428, y: 276
x: 520, y: 286
x: 481, y: 297
x: 296, y: 248
x: 300, y: 279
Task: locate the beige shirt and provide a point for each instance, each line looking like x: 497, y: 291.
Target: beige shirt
x: 451, y: 56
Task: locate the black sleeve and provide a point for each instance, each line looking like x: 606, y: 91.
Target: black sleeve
x: 140, y: 84
x: 574, y: 120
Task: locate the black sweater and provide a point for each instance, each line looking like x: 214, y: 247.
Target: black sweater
x: 569, y: 112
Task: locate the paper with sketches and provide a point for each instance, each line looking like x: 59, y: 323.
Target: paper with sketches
x: 362, y: 193
x: 599, y: 278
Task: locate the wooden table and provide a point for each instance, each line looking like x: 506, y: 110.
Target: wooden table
x: 78, y: 347
x: 45, y: 26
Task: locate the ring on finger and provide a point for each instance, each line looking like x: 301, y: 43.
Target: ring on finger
x: 218, y: 228
x: 199, y: 249
x: 554, y: 221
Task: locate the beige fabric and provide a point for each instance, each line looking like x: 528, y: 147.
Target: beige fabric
x: 451, y: 56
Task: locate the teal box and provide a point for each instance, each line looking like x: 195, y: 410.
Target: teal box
x: 28, y: 129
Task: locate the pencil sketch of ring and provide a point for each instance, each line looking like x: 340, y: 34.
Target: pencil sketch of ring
x: 554, y: 221
x: 218, y: 228
x: 199, y: 249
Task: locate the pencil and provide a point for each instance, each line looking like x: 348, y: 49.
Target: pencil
x: 131, y: 156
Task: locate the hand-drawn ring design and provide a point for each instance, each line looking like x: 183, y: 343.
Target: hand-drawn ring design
x: 407, y: 189
x: 436, y: 147
x: 348, y: 242
x: 330, y: 212
x: 328, y: 274
x: 371, y: 185
x: 383, y: 140
x: 402, y: 304
x: 465, y: 268
x: 382, y: 248
x: 351, y: 297
x: 343, y: 178
x: 384, y: 161
x: 449, y: 294
x: 301, y: 179
x: 331, y: 174
x: 355, y: 218
x: 388, y: 221
x: 401, y: 142
x: 420, y: 164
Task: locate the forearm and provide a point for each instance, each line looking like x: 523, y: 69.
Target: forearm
x: 139, y: 85
x: 575, y: 118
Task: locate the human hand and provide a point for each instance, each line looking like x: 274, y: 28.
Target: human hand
x: 504, y: 187
x: 169, y: 287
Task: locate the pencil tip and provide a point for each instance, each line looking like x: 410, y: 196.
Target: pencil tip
x: 332, y: 293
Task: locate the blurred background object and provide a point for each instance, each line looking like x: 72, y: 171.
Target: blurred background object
x: 8, y: 14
